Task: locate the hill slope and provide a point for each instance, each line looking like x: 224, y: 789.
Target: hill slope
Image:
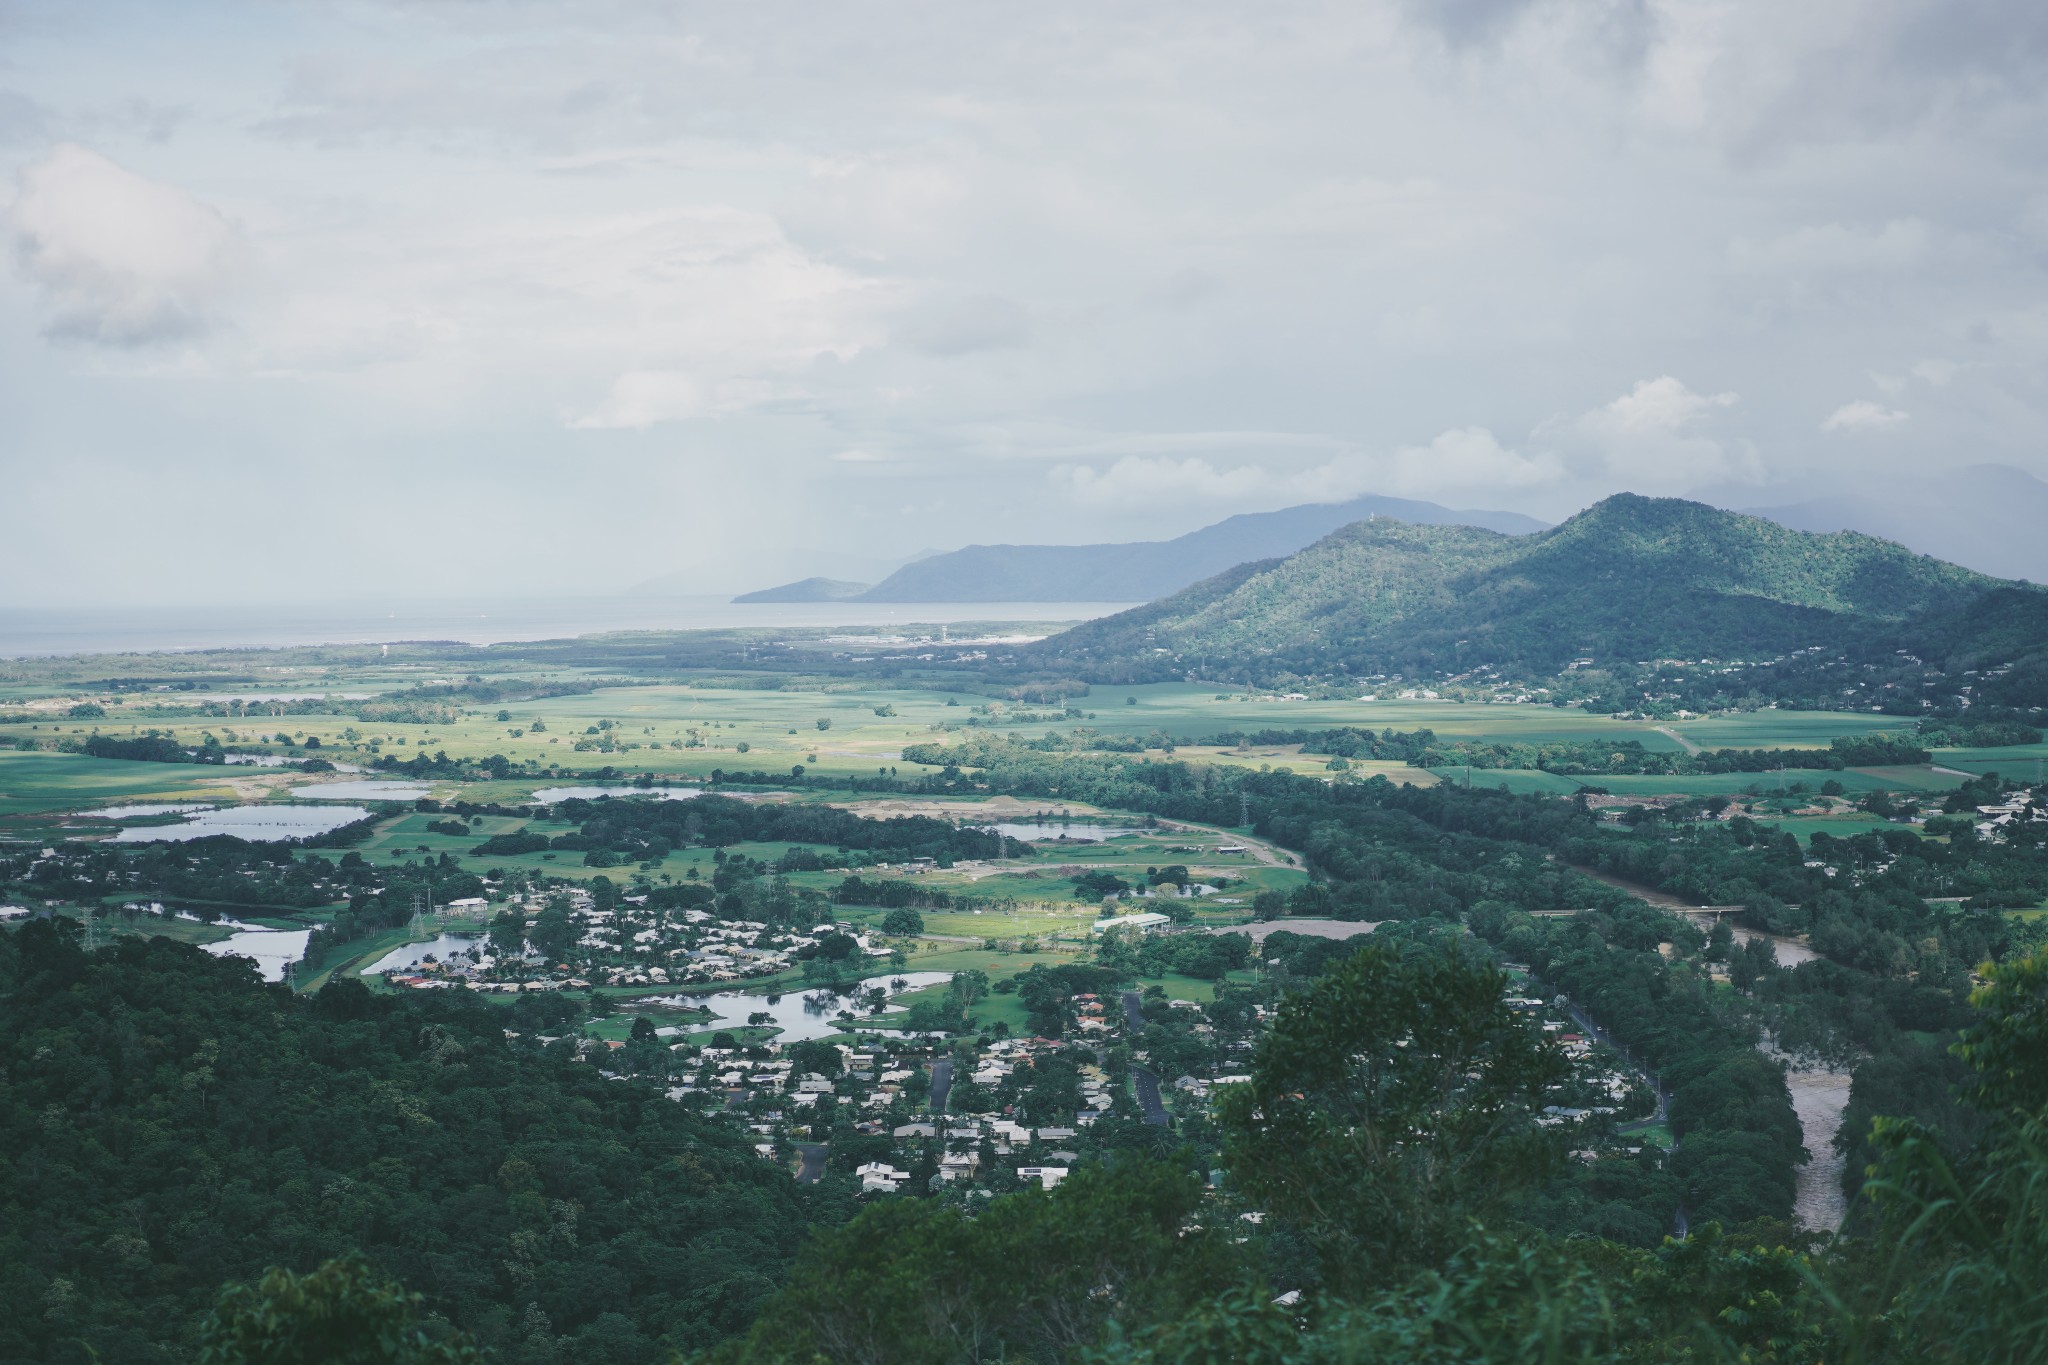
x: 1143, y: 570
x: 1630, y: 578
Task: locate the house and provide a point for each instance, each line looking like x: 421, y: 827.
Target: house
x: 1139, y: 923
x: 1046, y: 1176
x: 879, y: 1177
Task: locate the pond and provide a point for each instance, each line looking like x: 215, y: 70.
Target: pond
x: 550, y: 795
x: 441, y: 948
x: 272, y: 949
x: 280, y: 761
x: 1052, y: 832
x: 257, y: 824
x: 801, y: 1015
x: 362, y: 791
x: 146, y: 810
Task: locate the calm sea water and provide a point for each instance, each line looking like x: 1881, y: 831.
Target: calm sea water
x: 39, y: 631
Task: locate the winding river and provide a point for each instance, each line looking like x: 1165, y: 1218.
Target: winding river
x: 1819, y: 1094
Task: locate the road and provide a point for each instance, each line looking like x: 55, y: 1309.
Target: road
x: 1681, y: 1223
x: 1683, y: 742
x: 942, y: 1084
x: 1146, y: 1083
x: 812, y: 1155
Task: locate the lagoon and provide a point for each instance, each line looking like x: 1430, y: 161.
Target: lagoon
x: 550, y: 795
x: 362, y: 791
x: 1053, y: 832
x: 801, y: 1015
x: 258, y: 824
x: 273, y: 950
x: 442, y: 948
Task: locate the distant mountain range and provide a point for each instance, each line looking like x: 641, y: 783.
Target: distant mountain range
x: 1630, y: 578
x: 1988, y: 517
x: 1136, y: 571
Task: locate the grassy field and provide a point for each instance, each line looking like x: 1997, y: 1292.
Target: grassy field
x: 683, y: 730
x: 33, y: 782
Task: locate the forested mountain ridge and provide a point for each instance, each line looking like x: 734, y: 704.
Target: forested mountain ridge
x: 1630, y: 578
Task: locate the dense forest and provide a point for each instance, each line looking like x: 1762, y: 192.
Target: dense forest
x: 173, y: 1125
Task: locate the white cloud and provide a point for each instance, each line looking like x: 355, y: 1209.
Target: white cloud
x: 1654, y: 407
x: 1863, y: 415
x: 1657, y: 438
x: 122, y: 260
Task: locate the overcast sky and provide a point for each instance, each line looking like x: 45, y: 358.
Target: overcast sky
x: 326, y: 299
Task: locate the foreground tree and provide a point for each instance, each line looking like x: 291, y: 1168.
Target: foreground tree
x: 344, y: 1313
x: 1392, y: 1103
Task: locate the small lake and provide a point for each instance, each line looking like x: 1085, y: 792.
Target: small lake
x: 280, y: 761
x: 441, y: 948
x: 272, y: 949
x: 801, y: 1015
x: 257, y: 824
x: 362, y: 791
x: 1053, y: 832
x: 145, y: 810
x: 550, y: 795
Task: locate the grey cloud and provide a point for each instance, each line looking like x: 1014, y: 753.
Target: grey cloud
x: 122, y: 260
x: 980, y: 322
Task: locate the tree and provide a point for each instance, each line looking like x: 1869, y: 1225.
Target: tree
x: 904, y: 922
x: 344, y: 1313
x: 1390, y: 1102
x: 507, y: 933
x: 824, y: 722
x: 1032, y: 1276
x: 553, y: 934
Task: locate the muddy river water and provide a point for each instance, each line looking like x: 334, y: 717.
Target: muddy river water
x: 1819, y: 1094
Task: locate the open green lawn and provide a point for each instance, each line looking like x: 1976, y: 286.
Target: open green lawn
x: 1840, y: 826
x: 2026, y: 762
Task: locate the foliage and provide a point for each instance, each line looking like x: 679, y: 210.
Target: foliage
x: 174, y: 1125
x: 344, y: 1313
x: 1033, y: 1276
x: 1391, y: 1101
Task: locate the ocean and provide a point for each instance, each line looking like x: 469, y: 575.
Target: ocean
x: 34, y: 631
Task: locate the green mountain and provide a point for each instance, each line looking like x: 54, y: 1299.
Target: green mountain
x: 1628, y: 579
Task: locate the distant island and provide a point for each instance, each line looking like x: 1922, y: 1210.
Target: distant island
x: 808, y: 590
x: 1135, y: 571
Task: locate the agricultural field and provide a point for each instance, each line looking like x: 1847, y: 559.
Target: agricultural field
x: 33, y: 782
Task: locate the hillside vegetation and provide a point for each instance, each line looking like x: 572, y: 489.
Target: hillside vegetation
x: 1630, y: 578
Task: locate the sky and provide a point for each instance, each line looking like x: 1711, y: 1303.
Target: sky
x: 315, y: 301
